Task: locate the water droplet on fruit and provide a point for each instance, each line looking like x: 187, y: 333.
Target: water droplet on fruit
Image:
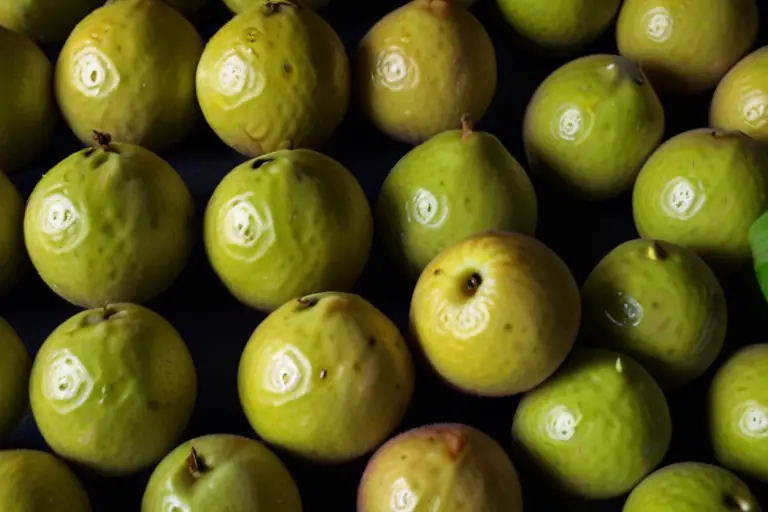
x: 67, y: 382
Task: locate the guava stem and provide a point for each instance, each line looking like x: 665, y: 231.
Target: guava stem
x: 466, y: 126
x: 102, y: 139
x: 194, y: 464
x: 306, y: 302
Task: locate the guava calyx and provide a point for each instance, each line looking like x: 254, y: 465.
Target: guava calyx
x: 274, y: 6
x: 102, y: 139
x: 466, y: 127
x: 473, y: 283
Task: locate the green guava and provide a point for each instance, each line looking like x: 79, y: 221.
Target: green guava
x: 15, y: 366
x: 287, y: 224
x: 45, y: 21
x: 326, y: 377
x: 758, y: 242
x: 440, y: 467
x: 221, y: 472
x: 109, y: 224
x: 238, y: 6
x: 275, y: 76
x: 128, y: 69
x: 13, y: 255
x: 113, y: 388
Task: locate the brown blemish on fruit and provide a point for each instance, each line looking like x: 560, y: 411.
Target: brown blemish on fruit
x: 454, y: 443
x: 466, y: 127
x: 274, y: 6
x: 102, y: 139
x: 438, y: 271
x: 507, y: 327
x: 371, y: 342
x: 194, y: 464
x: 288, y: 68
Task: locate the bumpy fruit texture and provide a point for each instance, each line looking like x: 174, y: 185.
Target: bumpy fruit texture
x: 440, y: 468
x: 758, y: 242
x: 738, y: 412
x: 740, y: 102
x: 109, y: 225
x: 496, y: 313
x: 457, y: 184
x: 591, y: 125
x: 422, y: 67
x: 15, y: 366
x: 691, y: 487
x: 559, y: 27
x: 327, y: 377
x: 686, y: 47
x: 13, y: 255
x: 222, y: 472
x: 129, y: 69
x: 287, y: 224
x: 238, y: 6
x: 27, y: 107
x: 45, y: 21
x: 659, y: 303
x: 275, y: 76
x: 703, y: 189
x: 597, y: 427
x: 35, y: 481
x: 113, y: 388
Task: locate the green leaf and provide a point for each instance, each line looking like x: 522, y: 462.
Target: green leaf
x: 758, y: 242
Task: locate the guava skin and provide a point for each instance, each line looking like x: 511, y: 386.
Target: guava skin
x: 659, y: 303
x: 597, y: 427
x: 425, y: 38
x: 691, y: 487
x: 686, y: 47
x: 128, y: 69
x: 458, y: 183
x: 276, y: 76
x: 287, y: 224
x: 36, y: 481
x: 238, y: 6
x: 590, y: 126
x: 109, y: 225
x: 15, y: 366
x: 13, y: 255
x: 113, y: 388
x: 738, y: 412
x: 703, y: 189
x: 27, y: 106
x: 758, y: 242
x: 326, y: 377
x: 226, y: 472
x: 440, y: 468
x: 45, y: 21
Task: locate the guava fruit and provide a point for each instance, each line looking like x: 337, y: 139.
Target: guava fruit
x: 13, y: 255
x: 703, y: 189
x: 287, y: 224
x: 113, y: 388
x: 591, y: 124
x: 128, y: 69
x: 109, y: 224
x: 14, y: 381
x: 440, y: 467
x: 221, y: 472
x: 458, y: 183
x: 758, y: 242
x: 659, y: 303
x: 45, y: 21
x: 421, y: 67
x: 738, y: 412
x: 326, y: 377
x: 36, y: 481
x: 691, y: 487
x: 275, y: 76
x: 686, y: 46
x: 740, y: 101
x: 496, y: 313
x: 27, y: 106
x: 597, y: 427
x: 559, y: 27
x: 238, y: 6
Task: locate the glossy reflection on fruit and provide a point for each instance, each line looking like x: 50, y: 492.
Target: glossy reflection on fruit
x: 113, y: 388
x: 591, y: 124
x: 275, y: 76
x: 597, y: 427
x: 27, y: 106
x: 738, y: 412
x: 422, y: 67
x: 691, y: 486
x: 109, y: 224
x: 458, y: 183
x: 686, y: 46
x: 703, y: 189
x: 221, y: 472
x: 13, y: 255
x: 45, y: 21
x: 287, y: 224
x: 659, y: 303
x: 440, y: 468
x: 36, y: 481
x: 238, y: 6
x: 740, y: 102
x: 14, y: 381
x: 327, y: 377
x: 129, y: 69
x: 758, y: 242
x: 496, y: 313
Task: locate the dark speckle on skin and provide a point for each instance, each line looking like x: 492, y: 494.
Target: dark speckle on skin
x: 323, y: 374
x: 438, y: 271
x: 371, y: 342
x: 507, y: 327
x: 288, y: 68
x: 655, y: 305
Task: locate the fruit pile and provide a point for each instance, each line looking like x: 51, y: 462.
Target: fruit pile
x: 579, y: 377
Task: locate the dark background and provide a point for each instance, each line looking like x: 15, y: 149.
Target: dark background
x: 216, y: 327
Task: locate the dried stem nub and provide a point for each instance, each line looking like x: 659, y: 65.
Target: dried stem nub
x: 194, y: 464
x: 466, y: 126
x: 102, y: 139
